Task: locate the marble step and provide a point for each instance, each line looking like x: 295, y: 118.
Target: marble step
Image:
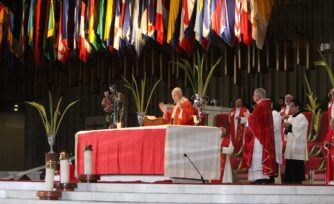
x: 17, y: 192
x: 27, y: 197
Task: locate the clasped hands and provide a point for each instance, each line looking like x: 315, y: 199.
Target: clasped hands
x: 286, y: 124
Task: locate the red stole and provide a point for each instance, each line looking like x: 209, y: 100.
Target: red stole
x: 282, y: 113
x: 260, y: 125
x: 330, y: 152
x: 187, y: 114
x: 224, y: 143
x: 237, y: 138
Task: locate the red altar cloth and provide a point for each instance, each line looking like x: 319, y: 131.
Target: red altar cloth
x: 132, y: 151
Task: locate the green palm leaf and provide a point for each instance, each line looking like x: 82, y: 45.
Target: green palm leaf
x: 51, y: 126
x: 139, y: 93
x: 313, y: 107
x: 196, y: 76
x: 323, y: 63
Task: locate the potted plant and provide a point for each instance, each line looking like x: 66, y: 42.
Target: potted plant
x: 196, y: 77
x: 52, y: 120
x: 139, y: 95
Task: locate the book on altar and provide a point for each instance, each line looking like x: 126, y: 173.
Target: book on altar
x: 151, y: 120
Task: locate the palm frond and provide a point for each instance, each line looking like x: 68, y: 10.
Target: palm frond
x: 139, y: 95
x: 152, y: 91
x: 323, y: 63
x: 199, y: 65
x: 51, y: 126
x: 195, y: 73
x: 51, y: 110
x: 63, y: 114
x: 186, y: 67
x: 55, y: 114
x: 143, y: 83
x: 208, y: 79
x: 313, y: 107
x: 134, y: 92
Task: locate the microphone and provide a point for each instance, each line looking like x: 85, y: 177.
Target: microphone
x: 186, y: 156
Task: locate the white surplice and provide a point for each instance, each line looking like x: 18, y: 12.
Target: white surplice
x: 228, y: 176
x: 277, y: 136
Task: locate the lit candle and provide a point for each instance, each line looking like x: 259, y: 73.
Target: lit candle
x: 49, y: 175
x: 64, y: 168
x: 88, y: 160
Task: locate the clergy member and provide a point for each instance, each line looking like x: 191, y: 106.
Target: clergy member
x: 226, y: 151
x: 329, y: 141
x: 181, y: 112
x: 285, y: 113
x: 227, y: 148
x: 296, y: 145
x: 277, y: 136
x: 237, y: 119
x: 259, y: 148
x: 285, y: 110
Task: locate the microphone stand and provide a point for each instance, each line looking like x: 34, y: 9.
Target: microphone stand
x: 186, y: 156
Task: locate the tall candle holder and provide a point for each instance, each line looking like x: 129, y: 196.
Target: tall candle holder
x: 49, y: 193
x: 88, y: 176
x: 65, y: 184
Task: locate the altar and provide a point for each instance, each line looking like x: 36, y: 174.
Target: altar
x: 155, y: 150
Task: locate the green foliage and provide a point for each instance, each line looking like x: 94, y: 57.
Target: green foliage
x: 313, y: 107
x: 138, y: 93
x: 197, y: 77
x: 323, y: 63
x: 52, y: 121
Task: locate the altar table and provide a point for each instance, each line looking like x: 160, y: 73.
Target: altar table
x: 155, y: 150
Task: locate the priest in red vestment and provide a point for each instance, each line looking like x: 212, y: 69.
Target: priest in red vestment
x: 329, y: 141
x: 237, y: 119
x: 182, y: 111
x: 259, y: 147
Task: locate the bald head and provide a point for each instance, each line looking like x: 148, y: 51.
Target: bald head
x: 177, y: 94
x: 288, y: 98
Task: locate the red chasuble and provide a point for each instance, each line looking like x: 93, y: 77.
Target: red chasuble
x: 237, y: 138
x: 183, y: 115
x: 260, y: 125
x: 330, y: 152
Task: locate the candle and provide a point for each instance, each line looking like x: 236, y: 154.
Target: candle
x: 49, y: 175
x: 119, y: 125
x: 64, y: 168
x: 88, y: 160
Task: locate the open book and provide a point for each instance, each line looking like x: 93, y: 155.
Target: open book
x: 150, y: 120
